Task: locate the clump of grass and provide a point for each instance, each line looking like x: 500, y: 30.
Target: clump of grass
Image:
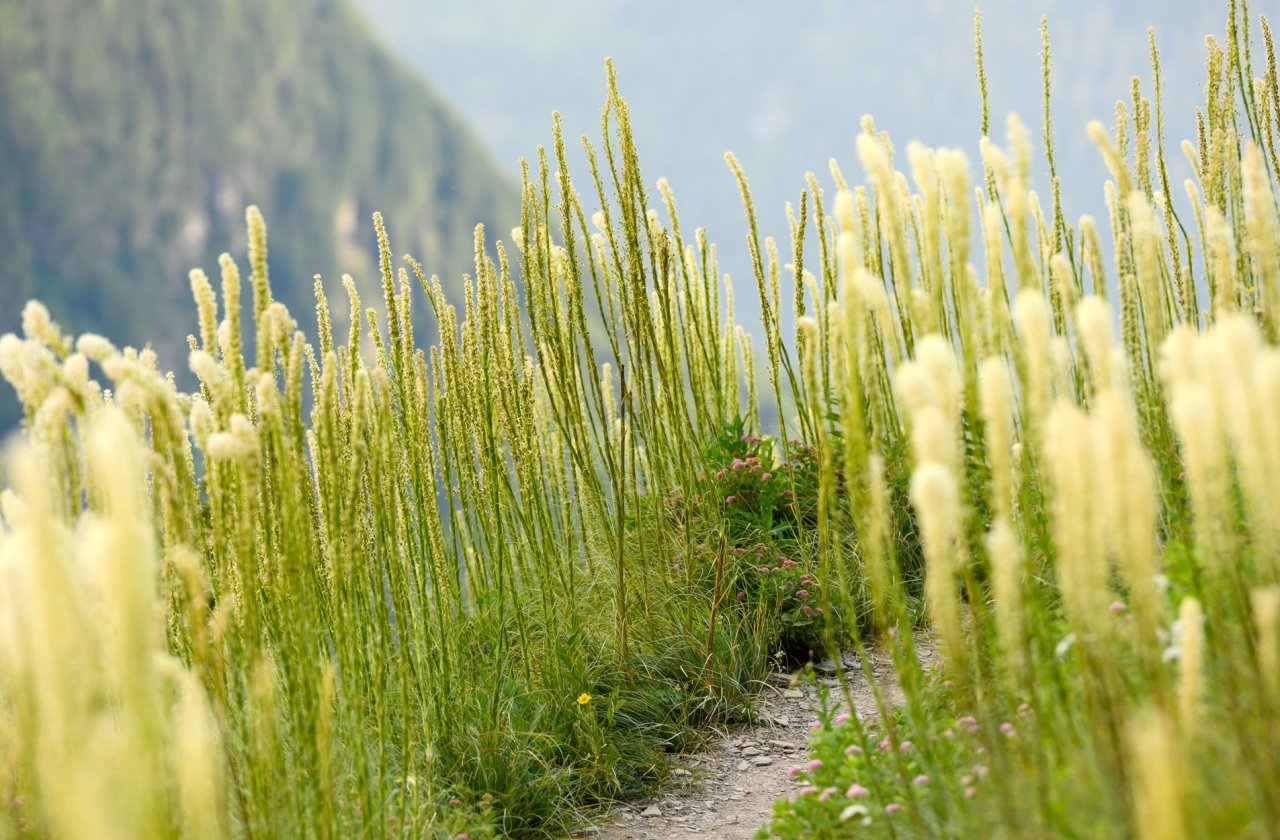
x: 408, y: 591
x: 1096, y: 510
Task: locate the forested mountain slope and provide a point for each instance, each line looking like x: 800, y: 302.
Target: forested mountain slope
x: 133, y: 133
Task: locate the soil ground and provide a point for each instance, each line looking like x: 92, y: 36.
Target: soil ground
x: 727, y: 790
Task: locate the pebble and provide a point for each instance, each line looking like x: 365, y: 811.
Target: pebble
x: 793, y: 694
x: 651, y: 811
x: 742, y: 765
x: 762, y: 761
x: 751, y: 751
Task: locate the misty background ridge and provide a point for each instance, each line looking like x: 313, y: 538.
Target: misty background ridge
x: 133, y: 134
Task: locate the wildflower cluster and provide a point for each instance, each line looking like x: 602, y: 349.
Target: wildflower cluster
x: 767, y: 567
x: 789, y: 591
x: 742, y: 474
x: 861, y: 773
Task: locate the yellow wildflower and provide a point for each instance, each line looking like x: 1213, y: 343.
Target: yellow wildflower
x: 584, y: 699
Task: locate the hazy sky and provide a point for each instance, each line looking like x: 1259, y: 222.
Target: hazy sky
x: 785, y: 85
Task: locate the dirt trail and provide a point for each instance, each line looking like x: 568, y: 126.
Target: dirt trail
x: 727, y: 790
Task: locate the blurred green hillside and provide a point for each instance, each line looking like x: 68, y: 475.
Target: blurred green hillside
x: 133, y: 133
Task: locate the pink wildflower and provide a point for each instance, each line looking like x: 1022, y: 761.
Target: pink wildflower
x: 857, y: 791
x: 892, y: 808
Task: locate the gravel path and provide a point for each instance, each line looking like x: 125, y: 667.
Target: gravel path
x: 727, y: 791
